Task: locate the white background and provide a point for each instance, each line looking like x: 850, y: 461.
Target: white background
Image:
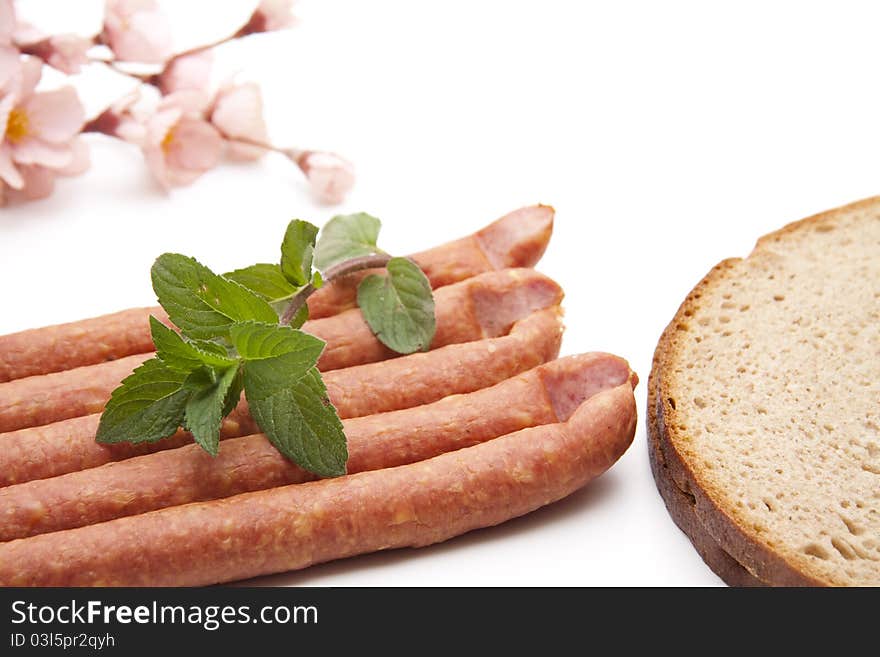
x: 667, y: 136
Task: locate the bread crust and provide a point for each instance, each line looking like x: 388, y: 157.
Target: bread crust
x: 681, y: 508
x: 736, y: 553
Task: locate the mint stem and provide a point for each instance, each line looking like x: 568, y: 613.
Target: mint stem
x: 336, y: 271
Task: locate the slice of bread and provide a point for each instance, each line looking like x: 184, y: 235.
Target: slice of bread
x: 764, y: 407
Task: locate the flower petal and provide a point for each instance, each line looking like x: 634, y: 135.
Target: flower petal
x: 155, y: 159
x: 10, y: 69
x: 187, y: 72
x: 238, y: 113
x: 137, y: 31
x: 31, y: 150
x: 195, y: 145
x: 6, y: 105
x: 160, y: 123
x: 125, y: 8
x: 26, y: 34
x: 7, y: 21
x: 31, y: 72
x: 80, y: 158
x: 57, y: 115
x: 278, y: 14
x: 131, y: 130
x: 126, y: 102
x: 190, y: 101
x: 38, y: 182
x: 69, y: 53
x: 8, y: 173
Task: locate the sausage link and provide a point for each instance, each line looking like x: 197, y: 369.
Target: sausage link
x: 483, y: 306
x: 86, y: 342
x: 47, y: 398
x: 516, y: 240
x: 292, y: 527
x: 425, y: 377
x: 62, y: 447
x: 543, y: 395
x: 55, y: 449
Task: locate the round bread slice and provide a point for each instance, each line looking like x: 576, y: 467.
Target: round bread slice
x: 764, y: 407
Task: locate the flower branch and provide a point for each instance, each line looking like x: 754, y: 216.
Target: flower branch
x: 182, y: 136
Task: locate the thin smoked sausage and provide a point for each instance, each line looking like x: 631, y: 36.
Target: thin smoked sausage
x: 292, y: 527
x: 543, y: 395
x: 483, y: 306
x: 516, y: 240
x: 68, y: 446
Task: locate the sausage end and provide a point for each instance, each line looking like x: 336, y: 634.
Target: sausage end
x: 518, y: 239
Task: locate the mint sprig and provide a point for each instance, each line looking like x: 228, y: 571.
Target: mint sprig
x: 231, y: 341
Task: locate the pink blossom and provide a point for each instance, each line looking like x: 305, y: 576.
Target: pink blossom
x: 179, y: 144
x: 38, y: 128
x: 238, y: 114
x: 330, y: 176
x: 137, y: 31
x: 66, y: 52
x: 192, y: 71
x: 39, y: 182
x: 270, y: 15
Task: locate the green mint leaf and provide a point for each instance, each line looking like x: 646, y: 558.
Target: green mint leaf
x: 204, y: 410
x: 147, y: 406
x: 297, y: 250
x: 233, y: 395
x: 256, y: 341
x: 264, y: 280
x: 300, y: 318
x: 345, y: 237
x: 211, y: 348
x: 317, y: 280
x: 180, y: 354
x: 296, y: 415
x: 399, y: 306
x: 200, y: 303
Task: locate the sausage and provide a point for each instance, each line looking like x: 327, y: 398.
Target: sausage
x: 55, y: 449
x: 47, y: 398
x: 425, y: 377
x: 516, y: 240
x: 543, y: 395
x: 295, y: 526
x: 484, y: 306
x: 69, y: 446
x: 88, y: 341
